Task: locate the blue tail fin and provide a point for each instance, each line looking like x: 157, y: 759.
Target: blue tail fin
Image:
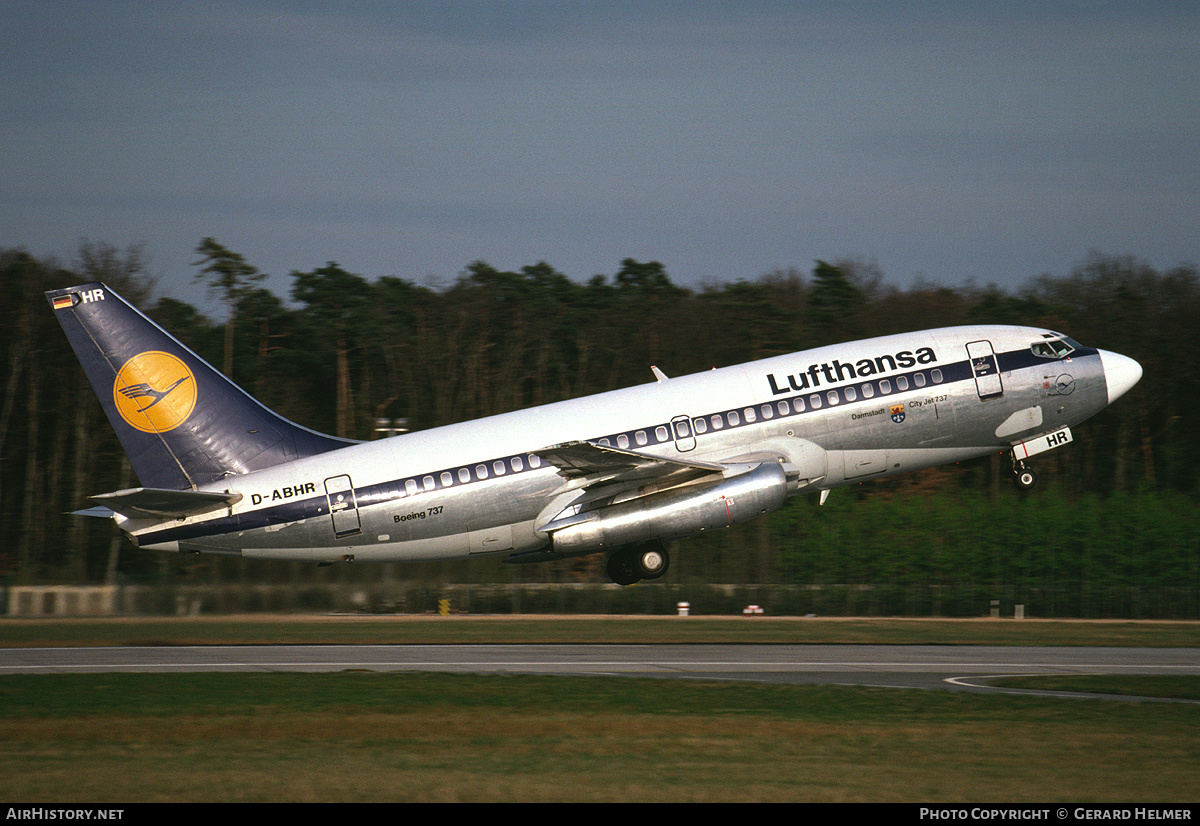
x: 182, y: 423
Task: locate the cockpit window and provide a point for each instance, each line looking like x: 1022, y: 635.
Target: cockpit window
x: 1053, y: 347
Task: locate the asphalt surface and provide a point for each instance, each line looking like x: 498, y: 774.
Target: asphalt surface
x: 964, y: 668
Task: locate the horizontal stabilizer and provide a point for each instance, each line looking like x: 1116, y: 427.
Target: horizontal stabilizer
x: 157, y: 503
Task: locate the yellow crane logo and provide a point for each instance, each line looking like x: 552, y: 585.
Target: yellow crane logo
x: 155, y: 392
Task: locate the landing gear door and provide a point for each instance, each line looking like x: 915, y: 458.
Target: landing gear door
x: 985, y: 369
x: 343, y: 508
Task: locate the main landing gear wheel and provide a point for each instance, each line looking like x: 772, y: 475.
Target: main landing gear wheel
x: 632, y: 563
x: 620, y: 568
x: 652, y: 560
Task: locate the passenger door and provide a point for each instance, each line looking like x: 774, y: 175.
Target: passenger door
x: 985, y: 369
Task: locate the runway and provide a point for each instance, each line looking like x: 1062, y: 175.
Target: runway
x: 964, y: 668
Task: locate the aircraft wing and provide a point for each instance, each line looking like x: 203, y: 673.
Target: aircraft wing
x: 588, y: 464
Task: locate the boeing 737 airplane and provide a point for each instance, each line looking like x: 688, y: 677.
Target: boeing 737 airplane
x: 618, y: 473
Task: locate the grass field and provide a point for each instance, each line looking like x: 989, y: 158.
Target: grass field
x: 286, y: 629
x: 365, y: 736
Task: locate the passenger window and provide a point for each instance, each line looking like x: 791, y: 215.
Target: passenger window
x: 783, y: 408
x: 717, y: 422
x: 734, y: 421
x: 901, y: 382
x: 832, y: 396
x: 429, y: 483
x: 660, y: 433
x: 750, y: 415
x: 936, y: 374
x: 481, y: 472
x: 814, y: 401
x: 622, y: 441
x: 885, y: 387
x: 850, y: 394
x: 447, y: 479
x: 498, y: 466
x: 797, y: 404
x: 767, y: 411
x: 701, y: 425
x: 536, y: 461
x: 410, y: 486
x: 517, y: 464
x: 641, y: 438
x: 464, y: 475
x: 919, y: 379
x: 868, y: 390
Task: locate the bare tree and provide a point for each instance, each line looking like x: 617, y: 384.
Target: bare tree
x: 123, y: 270
x: 229, y: 277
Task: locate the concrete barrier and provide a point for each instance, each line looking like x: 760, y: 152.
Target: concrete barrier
x: 62, y: 601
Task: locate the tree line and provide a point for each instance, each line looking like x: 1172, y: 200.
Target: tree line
x: 342, y: 350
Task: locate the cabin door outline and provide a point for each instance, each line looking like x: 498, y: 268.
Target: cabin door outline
x: 343, y: 507
x: 685, y: 435
x: 985, y: 369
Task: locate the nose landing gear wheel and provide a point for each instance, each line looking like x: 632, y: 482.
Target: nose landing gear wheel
x: 1026, y: 478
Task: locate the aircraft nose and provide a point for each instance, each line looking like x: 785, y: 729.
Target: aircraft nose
x: 1120, y: 374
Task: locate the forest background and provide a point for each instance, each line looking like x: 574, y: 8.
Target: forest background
x: 1111, y: 529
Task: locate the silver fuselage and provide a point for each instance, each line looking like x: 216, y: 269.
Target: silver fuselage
x: 871, y: 408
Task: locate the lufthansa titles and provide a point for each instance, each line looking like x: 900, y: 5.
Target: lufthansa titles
x: 838, y: 371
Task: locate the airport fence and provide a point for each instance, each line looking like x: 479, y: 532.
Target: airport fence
x: 966, y: 600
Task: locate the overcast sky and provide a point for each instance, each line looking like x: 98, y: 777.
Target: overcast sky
x: 952, y: 141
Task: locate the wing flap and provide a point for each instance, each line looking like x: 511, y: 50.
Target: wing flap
x: 593, y: 464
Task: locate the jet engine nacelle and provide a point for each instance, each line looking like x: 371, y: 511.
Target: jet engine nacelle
x: 675, y: 513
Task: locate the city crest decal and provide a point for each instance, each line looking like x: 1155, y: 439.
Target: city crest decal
x: 154, y: 392
x: 897, y: 411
